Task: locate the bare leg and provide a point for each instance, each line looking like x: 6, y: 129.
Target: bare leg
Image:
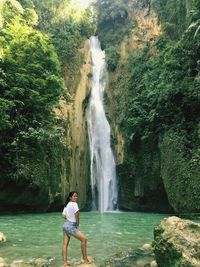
x: 66, y: 240
x: 83, y: 240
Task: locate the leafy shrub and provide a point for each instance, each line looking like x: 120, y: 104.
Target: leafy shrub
x: 112, y: 57
x: 170, y: 30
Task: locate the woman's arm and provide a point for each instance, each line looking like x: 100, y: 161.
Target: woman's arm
x: 64, y: 213
x: 77, y: 218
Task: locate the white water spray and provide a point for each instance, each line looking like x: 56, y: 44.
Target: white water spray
x: 102, y: 166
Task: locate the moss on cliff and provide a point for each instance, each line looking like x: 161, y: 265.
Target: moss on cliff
x: 140, y: 183
x: 180, y: 172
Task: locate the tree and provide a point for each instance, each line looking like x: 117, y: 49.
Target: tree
x: 30, y: 87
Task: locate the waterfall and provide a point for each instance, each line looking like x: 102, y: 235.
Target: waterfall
x: 102, y: 166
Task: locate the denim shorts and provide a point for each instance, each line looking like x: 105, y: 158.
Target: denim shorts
x: 70, y: 228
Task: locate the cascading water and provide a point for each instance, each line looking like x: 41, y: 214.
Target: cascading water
x: 102, y: 166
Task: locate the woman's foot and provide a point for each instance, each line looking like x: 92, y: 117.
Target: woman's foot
x: 86, y: 261
x: 66, y: 264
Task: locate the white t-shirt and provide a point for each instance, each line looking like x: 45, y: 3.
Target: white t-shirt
x: 70, y: 210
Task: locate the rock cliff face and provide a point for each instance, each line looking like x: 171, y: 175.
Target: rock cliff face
x: 177, y: 243
x: 140, y: 184
x: 75, y: 175
x: 145, y: 32
x: 157, y: 167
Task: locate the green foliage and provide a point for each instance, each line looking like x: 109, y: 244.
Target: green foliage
x: 66, y: 39
x: 32, y: 145
x: 87, y: 24
x: 26, y: 3
x: 113, y: 21
x: 30, y: 16
x: 112, y: 58
x: 68, y: 28
x: 111, y: 11
x: 180, y: 175
x: 174, y: 14
x: 63, y: 13
x: 160, y: 93
x: 5, y: 109
x: 161, y: 87
x: 170, y: 30
x: 9, y: 9
x: 30, y: 87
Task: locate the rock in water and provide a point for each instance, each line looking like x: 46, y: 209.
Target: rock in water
x: 177, y: 243
x: 153, y: 264
x: 2, y: 238
x: 147, y: 247
x: 3, y: 262
x: 81, y: 264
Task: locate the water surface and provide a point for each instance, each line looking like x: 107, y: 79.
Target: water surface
x: 40, y: 235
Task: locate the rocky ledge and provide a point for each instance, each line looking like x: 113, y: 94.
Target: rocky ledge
x: 177, y: 243
x: 43, y: 263
x: 141, y: 257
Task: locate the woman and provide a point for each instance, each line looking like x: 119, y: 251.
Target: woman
x: 70, y: 227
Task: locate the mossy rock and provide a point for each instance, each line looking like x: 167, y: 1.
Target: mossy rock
x: 177, y: 243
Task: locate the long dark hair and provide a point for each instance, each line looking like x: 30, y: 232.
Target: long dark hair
x: 69, y: 196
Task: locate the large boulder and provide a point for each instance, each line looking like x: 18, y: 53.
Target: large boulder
x: 177, y: 243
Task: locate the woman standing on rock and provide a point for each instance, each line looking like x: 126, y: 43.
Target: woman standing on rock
x: 70, y: 227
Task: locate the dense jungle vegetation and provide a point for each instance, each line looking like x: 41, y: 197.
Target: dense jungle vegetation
x: 156, y: 88
x: 157, y: 92
x: 39, y: 41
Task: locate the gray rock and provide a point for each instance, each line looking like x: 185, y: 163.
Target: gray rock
x: 177, y: 243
